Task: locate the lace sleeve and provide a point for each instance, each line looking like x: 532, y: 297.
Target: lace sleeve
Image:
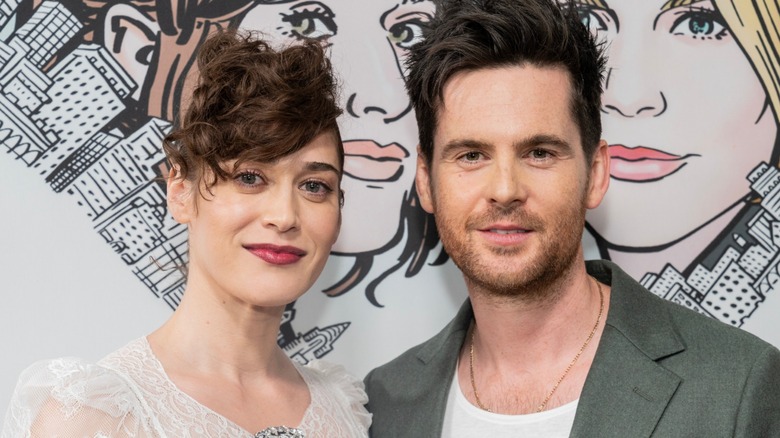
x: 71, y: 398
x: 350, y: 389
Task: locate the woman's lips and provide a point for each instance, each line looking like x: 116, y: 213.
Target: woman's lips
x: 276, y: 255
x: 367, y: 160
x: 642, y: 164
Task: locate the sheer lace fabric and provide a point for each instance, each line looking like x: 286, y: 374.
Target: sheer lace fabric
x: 128, y: 394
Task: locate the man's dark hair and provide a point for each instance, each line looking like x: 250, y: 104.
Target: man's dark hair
x: 470, y: 35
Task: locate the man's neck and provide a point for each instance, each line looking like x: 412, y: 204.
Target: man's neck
x: 526, y: 346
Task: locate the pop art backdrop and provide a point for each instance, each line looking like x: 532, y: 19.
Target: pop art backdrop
x: 89, y: 88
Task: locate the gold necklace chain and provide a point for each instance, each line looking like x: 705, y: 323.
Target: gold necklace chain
x: 565, y: 373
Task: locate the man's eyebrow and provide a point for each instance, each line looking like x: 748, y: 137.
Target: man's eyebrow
x: 525, y: 143
x: 544, y: 139
x: 461, y: 144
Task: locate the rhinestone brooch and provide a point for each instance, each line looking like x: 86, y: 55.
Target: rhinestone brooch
x: 280, y: 432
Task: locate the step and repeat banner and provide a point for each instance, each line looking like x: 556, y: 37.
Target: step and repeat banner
x: 89, y: 88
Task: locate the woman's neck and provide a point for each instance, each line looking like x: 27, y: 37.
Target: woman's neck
x: 227, y: 337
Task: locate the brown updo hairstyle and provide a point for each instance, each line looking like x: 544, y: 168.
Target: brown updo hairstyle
x: 253, y: 103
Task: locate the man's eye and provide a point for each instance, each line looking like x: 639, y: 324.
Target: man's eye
x: 540, y: 154
x: 471, y: 156
x: 405, y: 34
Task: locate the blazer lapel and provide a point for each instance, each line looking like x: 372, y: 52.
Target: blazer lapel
x: 627, y: 390
x: 438, y: 360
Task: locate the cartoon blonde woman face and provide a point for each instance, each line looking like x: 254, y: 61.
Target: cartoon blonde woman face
x: 367, y: 41
x: 686, y: 116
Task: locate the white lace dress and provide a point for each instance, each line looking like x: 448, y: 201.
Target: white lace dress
x: 128, y: 394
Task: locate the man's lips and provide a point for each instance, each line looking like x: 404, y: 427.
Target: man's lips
x: 276, y: 255
x: 505, y: 234
x: 367, y: 160
x: 643, y: 164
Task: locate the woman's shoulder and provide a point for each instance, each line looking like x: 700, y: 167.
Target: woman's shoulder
x: 339, y: 392
x: 73, y: 397
x: 335, y: 377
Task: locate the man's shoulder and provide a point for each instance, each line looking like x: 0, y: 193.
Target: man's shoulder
x: 440, y: 344
x: 640, y: 312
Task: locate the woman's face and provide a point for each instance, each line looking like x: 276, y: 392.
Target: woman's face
x: 263, y: 236
x: 367, y: 42
x: 685, y: 116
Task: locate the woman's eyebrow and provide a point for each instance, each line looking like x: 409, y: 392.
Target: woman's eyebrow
x: 319, y: 166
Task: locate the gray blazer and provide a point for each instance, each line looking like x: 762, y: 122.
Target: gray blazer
x: 660, y: 370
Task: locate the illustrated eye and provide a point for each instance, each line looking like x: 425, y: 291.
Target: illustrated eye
x: 405, y: 34
x: 311, y: 20
x: 591, y: 19
x: 700, y: 23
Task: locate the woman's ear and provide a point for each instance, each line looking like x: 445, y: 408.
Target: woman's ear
x: 131, y: 37
x: 181, y: 203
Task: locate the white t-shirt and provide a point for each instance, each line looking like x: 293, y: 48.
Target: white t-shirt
x: 462, y: 420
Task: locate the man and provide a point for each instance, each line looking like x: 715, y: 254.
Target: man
x: 507, y: 95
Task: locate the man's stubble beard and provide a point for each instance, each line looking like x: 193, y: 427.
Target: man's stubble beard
x: 556, y: 250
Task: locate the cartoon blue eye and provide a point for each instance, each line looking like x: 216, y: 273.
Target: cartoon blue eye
x: 700, y: 23
x: 593, y: 21
x: 405, y: 34
x: 311, y: 20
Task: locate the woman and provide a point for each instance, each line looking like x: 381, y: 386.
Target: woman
x: 154, y: 42
x: 689, y: 110
x: 256, y: 172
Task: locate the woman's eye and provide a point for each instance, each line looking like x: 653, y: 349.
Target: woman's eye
x: 314, y: 22
x: 700, y: 23
x: 405, y: 34
x: 316, y: 187
x: 249, y: 179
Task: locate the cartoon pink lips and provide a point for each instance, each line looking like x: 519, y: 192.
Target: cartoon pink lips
x: 642, y: 164
x: 367, y: 160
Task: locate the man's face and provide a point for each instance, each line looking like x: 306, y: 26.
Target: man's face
x: 508, y: 180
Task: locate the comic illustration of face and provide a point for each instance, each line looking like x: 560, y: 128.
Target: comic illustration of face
x: 367, y: 42
x: 685, y: 115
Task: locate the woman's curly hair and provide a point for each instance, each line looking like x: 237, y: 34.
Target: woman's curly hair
x: 253, y: 103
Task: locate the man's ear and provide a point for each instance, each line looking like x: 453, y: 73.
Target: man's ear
x: 181, y: 203
x: 130, y: 36
x: 599, y: 175
x: 423, y: 182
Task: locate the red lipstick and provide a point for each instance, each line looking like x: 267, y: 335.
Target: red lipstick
x: 276, y: 255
